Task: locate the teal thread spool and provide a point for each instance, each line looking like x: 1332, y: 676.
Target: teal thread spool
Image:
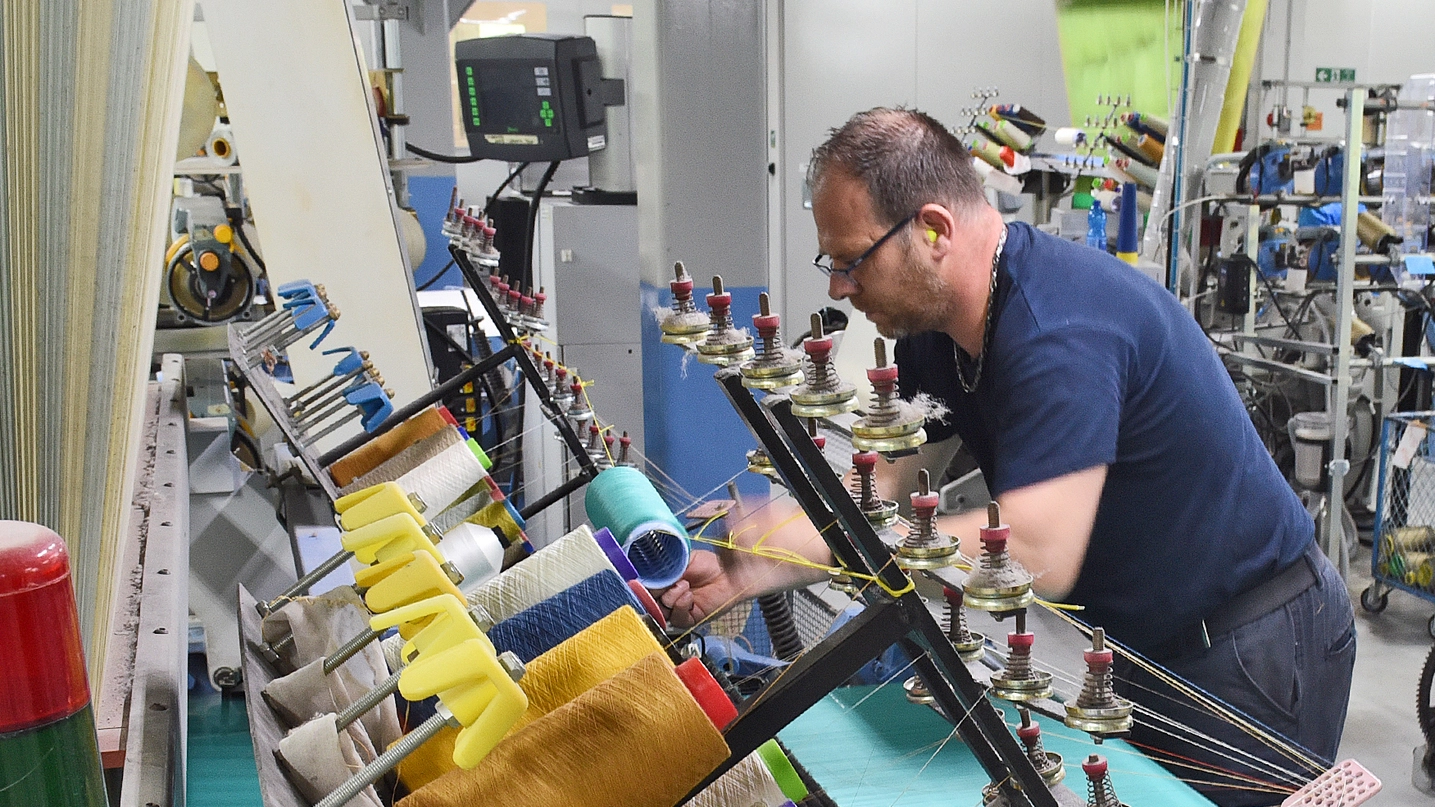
x: 624, y: 501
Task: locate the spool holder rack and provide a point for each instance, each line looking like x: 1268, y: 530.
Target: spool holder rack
x: 273, y: 401
x: 904, y: 620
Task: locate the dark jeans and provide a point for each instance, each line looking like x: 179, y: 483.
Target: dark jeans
x: 1289, y: 670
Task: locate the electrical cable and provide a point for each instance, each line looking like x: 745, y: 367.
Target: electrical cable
x: 493, y: 196
x: 533, y: 206
x: 451, y: 159
x: 427, y: 283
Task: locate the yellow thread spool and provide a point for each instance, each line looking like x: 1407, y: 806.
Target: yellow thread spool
x: 1151, y: 148
x: 597, y: 653
x: 587, y: 752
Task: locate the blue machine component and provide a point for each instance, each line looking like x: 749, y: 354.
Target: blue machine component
x: 728, y: 655
x: 1330, y: 173
x: 1268, y: 258
x: 1268, y: 173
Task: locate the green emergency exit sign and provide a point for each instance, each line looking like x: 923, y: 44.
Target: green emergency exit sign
x: 1330, y: 75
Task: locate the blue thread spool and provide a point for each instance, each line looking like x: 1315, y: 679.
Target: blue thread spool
x: 624, y: 501
x: 539, y: 628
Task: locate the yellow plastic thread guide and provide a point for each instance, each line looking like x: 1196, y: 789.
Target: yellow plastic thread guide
x: 450, y: 625
x: 471, y: 682
x: 388, y: 537
x: 406, y: 578
x: 373, y: 503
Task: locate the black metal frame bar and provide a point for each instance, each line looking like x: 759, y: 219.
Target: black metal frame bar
x: 526, y: 368
x: 888, y: 619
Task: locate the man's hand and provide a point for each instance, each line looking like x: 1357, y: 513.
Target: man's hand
x: 718, y: 580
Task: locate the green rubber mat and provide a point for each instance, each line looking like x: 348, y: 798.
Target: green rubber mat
x: 870, y: 747
x: 221, y: 758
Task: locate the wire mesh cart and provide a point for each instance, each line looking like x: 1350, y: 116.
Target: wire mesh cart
x: 1403, y: 556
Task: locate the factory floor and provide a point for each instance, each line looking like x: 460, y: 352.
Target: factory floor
x: 1380, y: 728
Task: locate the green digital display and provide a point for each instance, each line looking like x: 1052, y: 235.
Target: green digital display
x: 546, y: 113
x: 471, y: 92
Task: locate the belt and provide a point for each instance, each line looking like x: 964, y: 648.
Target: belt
x: 1244, y: 608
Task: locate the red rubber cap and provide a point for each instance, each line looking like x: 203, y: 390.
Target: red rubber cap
x: 1025, y: 640
x: 706, y: 691
x: 822, y: 345
x: 649, y: 604
x: 953, y: 596
x: 1028, y: 732
x: 1095, y: 766
x: 447, y: 415
x: 540, y: 297
x: 721, y: 300
x: 881, y: 375
x: 1097, y: 657
x: 43, y: 663
x: 866, y: 460
x: 681, y: 288
x: 819, y: 441
x: 1001, y: 533
x: 769, y: 322
x: 926, y: 500
x: 561, y: 371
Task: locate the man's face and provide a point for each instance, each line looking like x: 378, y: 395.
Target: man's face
x: 894, y: 286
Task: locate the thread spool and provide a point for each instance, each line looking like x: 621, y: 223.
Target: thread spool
x: 534, y: 631
x: 441, y: 480
x: 370, y: 455
x: 476, y: 552
x: 595, y: 654
x: 625, y: 502
x: 1151, y: 148
x: 989, y: 153
x: 566, y: 562
x: 1069, y: 136
x: 1005, y: 133
x: 749, y: 784
x: 393, y: 468
x: 1126, y: 231
x: 1144, y: 174
x: 587, y: 750
x: 220, y: 146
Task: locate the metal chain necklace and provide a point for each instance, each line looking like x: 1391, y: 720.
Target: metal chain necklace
x: 961, y: 355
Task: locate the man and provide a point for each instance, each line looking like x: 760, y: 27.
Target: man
x: 1111, y: 435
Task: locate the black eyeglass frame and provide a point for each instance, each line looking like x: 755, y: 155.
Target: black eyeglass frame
x: 829, y: 270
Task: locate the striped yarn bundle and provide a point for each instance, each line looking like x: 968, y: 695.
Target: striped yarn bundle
x: 370, y: 455
x: 401, y: 463
x: 534, y: 631
x: 638, y: 739
x: 568, y: 561
x: 597, y: 653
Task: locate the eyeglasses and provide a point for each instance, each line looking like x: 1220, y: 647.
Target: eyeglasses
x: 824, y: 262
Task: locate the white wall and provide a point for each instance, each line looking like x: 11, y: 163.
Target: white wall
x: 843, y: 56
x: 1384, y: 40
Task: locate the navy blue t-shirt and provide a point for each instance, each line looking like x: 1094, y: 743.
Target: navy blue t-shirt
x: 1091, y: 363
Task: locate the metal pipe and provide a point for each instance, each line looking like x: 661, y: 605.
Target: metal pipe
x: 368, y: 700
x: 1335, y: 548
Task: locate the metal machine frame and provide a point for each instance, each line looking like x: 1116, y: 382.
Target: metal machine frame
x: 901, y: 617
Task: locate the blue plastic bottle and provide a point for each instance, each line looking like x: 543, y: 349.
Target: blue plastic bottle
x: 1096, y: 226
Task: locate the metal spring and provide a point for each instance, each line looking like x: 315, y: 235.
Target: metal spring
x: 864, y: 492
x: 819, y: 373
x: 1100, y: 792
x: 956, y: 629
x: 924, y: 530
x: 781, y: 629
x: 1096, y: 690
x: 1018, y: 664
x: 884, y: 405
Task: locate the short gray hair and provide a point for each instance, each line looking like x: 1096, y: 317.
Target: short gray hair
x: 904, y: 158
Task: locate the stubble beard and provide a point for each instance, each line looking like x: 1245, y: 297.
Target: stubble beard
x: 924, y: 303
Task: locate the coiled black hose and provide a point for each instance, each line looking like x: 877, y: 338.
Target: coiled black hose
x: 781, y: 629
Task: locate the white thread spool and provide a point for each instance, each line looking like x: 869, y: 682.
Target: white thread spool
x: 439, y: 482
x: 220, y: 146
x: 1069, y: 136
x: 748, y: 783
x: 391, y: 469
x: 569, y: 561
x: 475, y: 551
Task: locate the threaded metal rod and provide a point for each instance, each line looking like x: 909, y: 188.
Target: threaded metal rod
x: 385, y: 762
x: 368, y: 700
x: 347, y: 651
x: 304, y: 583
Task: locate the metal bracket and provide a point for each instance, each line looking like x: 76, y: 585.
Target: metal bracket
x: 385, y: 10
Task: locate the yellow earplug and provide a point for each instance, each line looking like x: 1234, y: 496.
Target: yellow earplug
x: 932, y: 236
